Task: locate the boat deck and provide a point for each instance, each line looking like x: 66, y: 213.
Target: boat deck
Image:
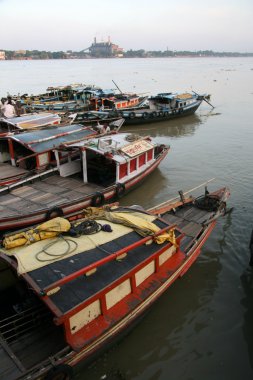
x: 24, y: 340
x: 44, y: 194
x: 74, y: 292
x: 189, y: 219
x: 7, y: 171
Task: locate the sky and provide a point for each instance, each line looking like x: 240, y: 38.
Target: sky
x: 61, y: 25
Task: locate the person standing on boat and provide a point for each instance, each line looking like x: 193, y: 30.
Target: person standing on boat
x: 8, y: 108
x: 18, y: 108
x: 2, y: 103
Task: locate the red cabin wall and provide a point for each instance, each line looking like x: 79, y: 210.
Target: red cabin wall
x: 122, y: 170
x: 142, y: 159
x: 133, y: 165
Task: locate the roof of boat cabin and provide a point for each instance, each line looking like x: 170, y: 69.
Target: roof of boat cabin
x: 119, y: 145
x: 52, y: 137
x: 32, y: 120
x: 170, y: 96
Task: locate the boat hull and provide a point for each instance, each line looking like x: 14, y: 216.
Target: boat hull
x: 67, y: 209
x: 145, y: 117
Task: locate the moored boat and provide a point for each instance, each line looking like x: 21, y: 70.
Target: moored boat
x: 162, y: 107
x: 93, y: 172
x: 90, y: 117
x: 65, y: 299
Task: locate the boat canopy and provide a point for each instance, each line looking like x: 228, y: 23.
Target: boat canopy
x: 32, y: 120
x: 47, y: 139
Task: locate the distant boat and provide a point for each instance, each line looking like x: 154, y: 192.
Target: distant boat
x: 116, y: 102
x: 162, y: 107
x: 93, y: 172
x: 90, y: 117
x: 84, y: 98
x: 66, y: 299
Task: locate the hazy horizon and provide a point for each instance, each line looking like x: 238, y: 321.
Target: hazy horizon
x: 60, y: 25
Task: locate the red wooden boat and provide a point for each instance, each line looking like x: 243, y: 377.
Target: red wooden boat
x: 66, y: 299
x: 93, y: 172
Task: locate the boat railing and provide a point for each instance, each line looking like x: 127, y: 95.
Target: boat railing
x: 120, y: 253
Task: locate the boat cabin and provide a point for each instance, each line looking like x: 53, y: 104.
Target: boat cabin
x: 110, y: 159
x: 170, y: 101
x: 117, y: 101
x: 34, y: 150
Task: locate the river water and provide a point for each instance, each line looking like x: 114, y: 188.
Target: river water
x: 202, y: 327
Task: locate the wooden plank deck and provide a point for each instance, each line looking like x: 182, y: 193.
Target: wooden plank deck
x: 7, y: 171
x: 47, y: 193
x: 11, y: 368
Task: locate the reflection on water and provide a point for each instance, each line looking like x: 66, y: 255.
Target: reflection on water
x: 175, y: 128
x: 225, y: 228
x: 151, y: 186
x: 247, y: 303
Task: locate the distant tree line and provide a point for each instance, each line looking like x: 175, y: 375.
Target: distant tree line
x: 141, y: 53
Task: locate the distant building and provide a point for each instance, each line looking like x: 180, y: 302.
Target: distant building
x: 20, y: 52
x: 2, y: 55
x: 105, y: 49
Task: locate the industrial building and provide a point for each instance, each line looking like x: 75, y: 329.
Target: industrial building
x: 105, y: 49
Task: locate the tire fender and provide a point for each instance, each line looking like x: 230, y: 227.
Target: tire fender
x: 120, y: 190
x: 54, y: 212
x: 98, y: 199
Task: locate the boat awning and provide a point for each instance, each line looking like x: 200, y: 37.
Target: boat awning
x: 33, y: 120
x: 47, y: 139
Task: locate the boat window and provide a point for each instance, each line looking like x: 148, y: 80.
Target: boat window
x: 149, y: 154
x: 133, y: 165
x: 142, y: 159
x: 123, y: 170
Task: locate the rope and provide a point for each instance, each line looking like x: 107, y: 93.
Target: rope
x: 55, y: 256
x: 208, y: 203
x: 88, y: 227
